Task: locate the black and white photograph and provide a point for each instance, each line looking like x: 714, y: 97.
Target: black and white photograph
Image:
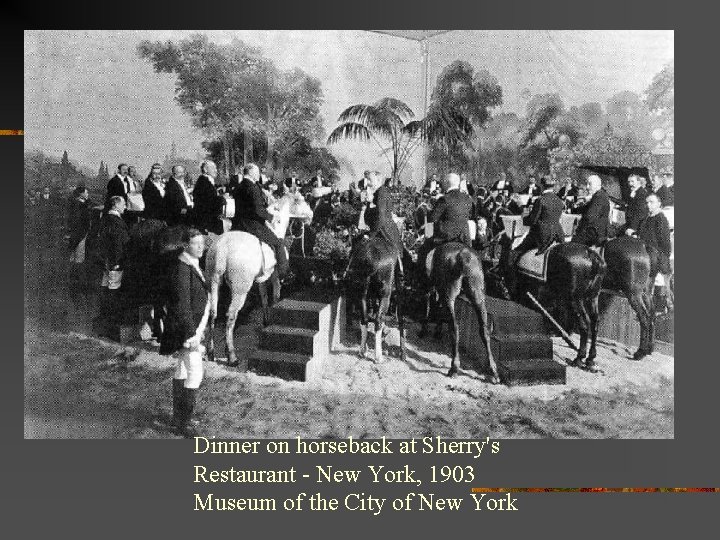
x: 270, y: 234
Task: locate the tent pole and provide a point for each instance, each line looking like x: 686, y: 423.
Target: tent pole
x: 425, y: 53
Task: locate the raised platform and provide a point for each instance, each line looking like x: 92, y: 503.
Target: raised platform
x: 519, y: 339
x: 618, y: 322
x: 299, y: 339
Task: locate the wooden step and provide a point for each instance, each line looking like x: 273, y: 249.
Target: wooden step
x: 300, y: 314
x: 291, y: 340
x: 521, y: 347
x: 289, y: 366
x: 532, y: 371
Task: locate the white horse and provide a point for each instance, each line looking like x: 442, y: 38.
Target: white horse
x: 242, y: 260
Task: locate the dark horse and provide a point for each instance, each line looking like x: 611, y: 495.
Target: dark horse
x: 372, y: 271
x: 631, y: 271
x: 574, y: 278
x: 455, y: 269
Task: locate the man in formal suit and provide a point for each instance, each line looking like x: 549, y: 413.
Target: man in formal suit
x: 450, y: 216
x: 382, y: 224
x: 568, y: 190
x: 114, y: 238
x: 153, y: 194
x: 207, y: 204
x: 532, y: 189
x: 251, y: 215
x: 78, y: 224
x: 318, y: 180
x: 666, y: 192
x: 654, y: 230
x: 118, y: 185
x: 636, y: 209
x: 177, y: 199
x: 132, y: 178
x: 544, y: 222
x: 592, y: 230
x: 292, y: 183
x: 188, y: 314
x: 502, y: 185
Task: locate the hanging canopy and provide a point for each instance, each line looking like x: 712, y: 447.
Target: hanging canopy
x: 415, y: 35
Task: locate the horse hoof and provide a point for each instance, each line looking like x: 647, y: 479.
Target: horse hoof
x: 452, y: 373
x: 640, y: 354
x: 495, y: 379
x: 591, y: 367
x: 578, y: 362
x: 233, y: 363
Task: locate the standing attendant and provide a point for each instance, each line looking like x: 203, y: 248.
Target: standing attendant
x: 208, y: 205
x: 153, y: 194
x: 636, y: 209
x: 532, y: 189
x: 188, y: 312
x: 383, y: 225
x: 118, y: 185
x: 78, y: 224
x: 666, y: 192
x: 177, y: 199
x: 114, y: 238
x: 655, y: 232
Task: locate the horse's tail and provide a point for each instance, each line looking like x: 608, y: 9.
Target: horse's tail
x: 216, y: 267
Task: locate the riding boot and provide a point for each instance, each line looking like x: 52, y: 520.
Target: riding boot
x: 177, y: 396
x: 187, y: 428
x: 282, y: 260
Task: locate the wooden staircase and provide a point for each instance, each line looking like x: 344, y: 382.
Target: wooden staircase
x: 299, y: 339
x: 519, y: 339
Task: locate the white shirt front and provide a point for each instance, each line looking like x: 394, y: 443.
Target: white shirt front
x: 160, y: 186
x: 188, y: 200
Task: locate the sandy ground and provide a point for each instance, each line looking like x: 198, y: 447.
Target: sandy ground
x: 76, y: 387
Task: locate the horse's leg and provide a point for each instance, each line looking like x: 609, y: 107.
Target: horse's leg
x: 262, y: 289
x: 478, y: 301
x: 363, y: 321
x: 214, y: 287
x: 648, y: 302
x: 636, y: 302
x: 449, y: 296
x: 399, y: 289
x: 426, y: 319
x: 578, y: 309
x: 236, y: 304
x: 380, y: 322
x: 275, y: 281
x: 594, y: 313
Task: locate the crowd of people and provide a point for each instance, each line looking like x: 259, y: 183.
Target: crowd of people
x: 449, y: 204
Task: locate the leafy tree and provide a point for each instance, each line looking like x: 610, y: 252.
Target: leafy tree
x: 467, y: 97
x: 661, y: 92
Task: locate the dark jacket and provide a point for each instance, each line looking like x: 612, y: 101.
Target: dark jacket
x: 208, y: 205
x: 116, y: 187
x: 666, y: 195
x: 154, y: 203
x: 544, y: 222
x: 636, y: 209
x: 78, y: 222
x: 531, y: 190
x: 450, y: 216
x: 655, y: 232
x: 384, y: 226
x: 250, y: 210
x: 114, y: 237
x: 592, y: 230
x: 174, y: 203
x: 564, y: 191
x: 187, y: 298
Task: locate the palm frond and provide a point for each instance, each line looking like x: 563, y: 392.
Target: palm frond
x: 399, y: 108
x: 349, y: 130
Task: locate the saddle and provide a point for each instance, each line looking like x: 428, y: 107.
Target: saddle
x: 533, y: 265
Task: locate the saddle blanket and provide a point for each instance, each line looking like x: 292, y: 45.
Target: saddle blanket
x: 533, y: 265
